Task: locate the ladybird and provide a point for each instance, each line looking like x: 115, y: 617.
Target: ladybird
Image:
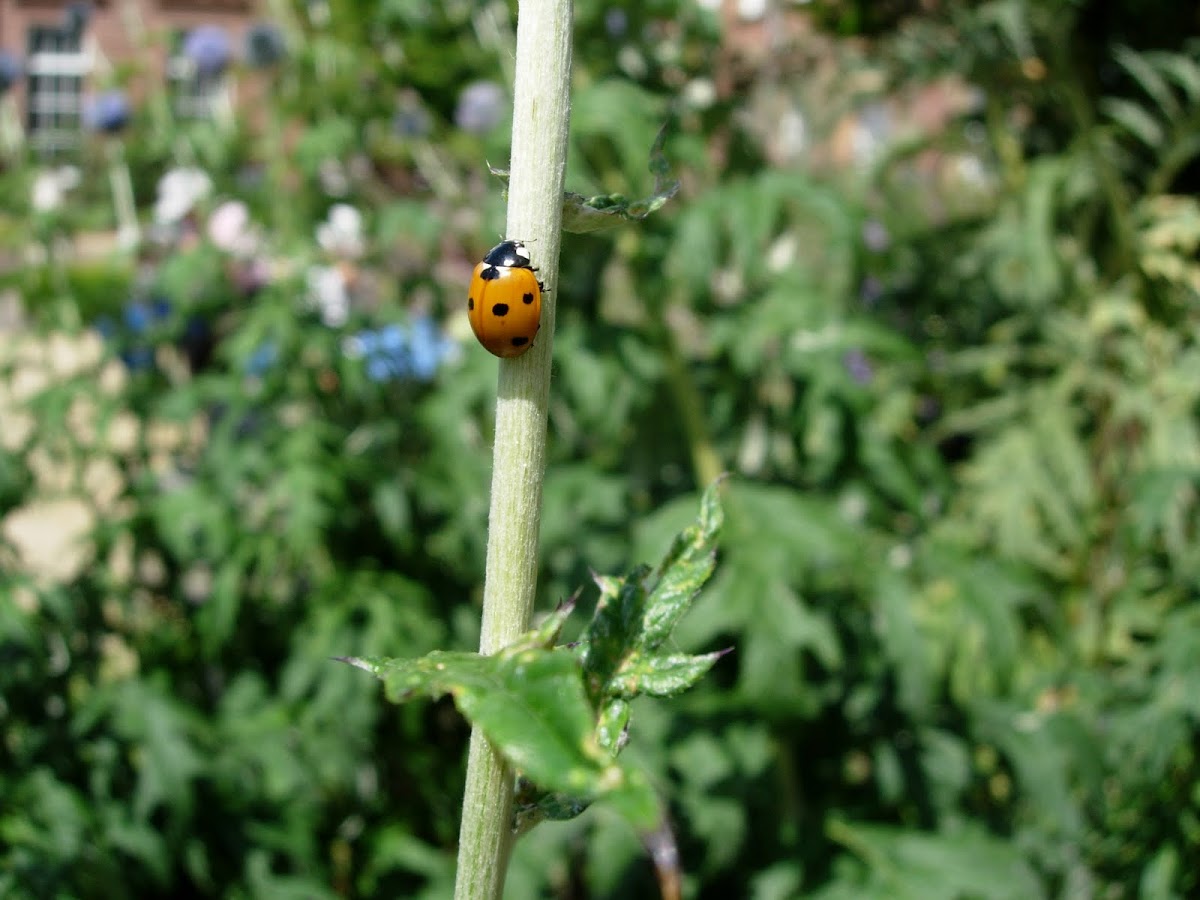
x: 505, y: 300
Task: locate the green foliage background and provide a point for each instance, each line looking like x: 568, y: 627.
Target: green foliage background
x: 953, y: 369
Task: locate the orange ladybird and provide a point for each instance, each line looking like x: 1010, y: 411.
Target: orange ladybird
x: 505, y: 300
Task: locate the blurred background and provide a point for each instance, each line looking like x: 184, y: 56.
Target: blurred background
x: 929, y: 291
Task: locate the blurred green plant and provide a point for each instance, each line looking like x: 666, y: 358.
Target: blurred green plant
x: 929, y: 292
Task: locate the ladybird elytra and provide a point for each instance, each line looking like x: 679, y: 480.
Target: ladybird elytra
x: 504, y: 303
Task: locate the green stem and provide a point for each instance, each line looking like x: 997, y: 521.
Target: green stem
x: 537, y: 166
x: 1008, y: 147
x: 119, y: 179
x: 706, y: 461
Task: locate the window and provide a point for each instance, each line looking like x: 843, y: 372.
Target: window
x: 56, y: 69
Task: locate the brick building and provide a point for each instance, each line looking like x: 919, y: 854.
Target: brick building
x: 66, y: 55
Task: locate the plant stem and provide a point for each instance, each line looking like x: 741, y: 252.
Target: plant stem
x: 541, y: 115
x: 706, y: 461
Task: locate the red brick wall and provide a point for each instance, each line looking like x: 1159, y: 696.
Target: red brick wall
x: 111, y: 30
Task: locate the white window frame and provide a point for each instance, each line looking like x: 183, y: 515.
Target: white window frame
x: 55, y: 82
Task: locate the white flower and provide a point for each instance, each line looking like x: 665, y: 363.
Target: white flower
x: 327, y: 293
x: 47, y: 193
x: 50, y: 187
x: 230, y: 229
x: 178, y: 193
x: 341, y: 234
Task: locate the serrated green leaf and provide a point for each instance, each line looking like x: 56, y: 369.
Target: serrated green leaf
x: 906, y: 865
x: 662, y: 676
x: 630, y: 622
x: 684, y: 570
x: 612, y: 726
x: 531, y: 706
x: 1181, y: 70
x: 582, y: 215
x: 1141, y: 68
x: 613, y: 631
x: 532, y: 805
x: 1134, y: 119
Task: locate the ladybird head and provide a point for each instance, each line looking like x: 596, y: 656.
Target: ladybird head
x: 510, y: 254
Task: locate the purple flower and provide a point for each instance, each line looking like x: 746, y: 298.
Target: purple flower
x: 616, y: 22
x: 870, y: 290
x: 858, y: 366
x: 208, y: 47
x: 107, y: 113
x: 11, y: 71
x: 265, y: 45
x: 482, y: 105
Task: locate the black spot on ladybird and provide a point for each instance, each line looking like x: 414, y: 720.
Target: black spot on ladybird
x: 527, y: 299
x: 500, y: 309
x: 520, y: 341
x: 491, y: 273
x: 470, y: 303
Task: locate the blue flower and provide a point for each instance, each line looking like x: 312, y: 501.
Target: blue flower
x: 392, y: 339
x: 429, y: 347
x: 265, y: 45
x: 482, y: 105
x: 384, y: 368
x: 386, y: 352
x: 138, y: 358
x: 395, y: 351
x: 208, y: 47
x: 262, y: 359
x: 107, y: 113
x: 140, y: 316
x: 139, y: 330
x: 11, y: 71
